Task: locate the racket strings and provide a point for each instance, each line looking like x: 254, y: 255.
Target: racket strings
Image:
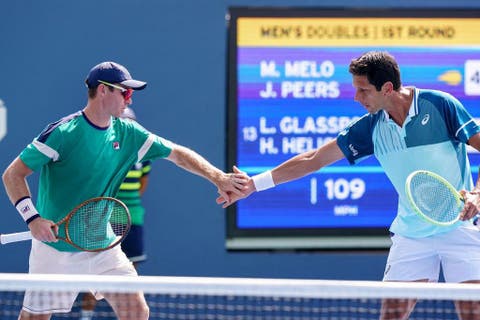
x: 435, y: 199
x: 98, y: 224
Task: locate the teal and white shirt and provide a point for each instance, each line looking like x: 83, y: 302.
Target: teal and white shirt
x: 79, y: 161
x: 433, y: 137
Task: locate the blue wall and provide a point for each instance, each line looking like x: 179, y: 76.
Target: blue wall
x: 179, y: 47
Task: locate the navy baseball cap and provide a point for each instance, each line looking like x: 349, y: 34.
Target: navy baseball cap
x: 112, y: 72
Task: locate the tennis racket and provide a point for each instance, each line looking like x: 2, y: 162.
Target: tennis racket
x: 94, y: 225
x: 433, y: 198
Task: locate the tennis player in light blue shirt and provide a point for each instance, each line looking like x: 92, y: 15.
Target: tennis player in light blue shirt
x: 432, y: 137
x: 406, y: 129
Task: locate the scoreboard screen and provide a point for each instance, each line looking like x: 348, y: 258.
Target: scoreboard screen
x: 289, y: 91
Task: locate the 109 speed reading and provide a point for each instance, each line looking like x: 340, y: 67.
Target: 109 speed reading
x: 339, y: 189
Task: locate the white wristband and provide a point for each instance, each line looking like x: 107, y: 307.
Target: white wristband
x: 263, y: 181
x: 26, y: 209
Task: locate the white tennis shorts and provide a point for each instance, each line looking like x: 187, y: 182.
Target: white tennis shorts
x: 45, y: 259
x: 457, y: 252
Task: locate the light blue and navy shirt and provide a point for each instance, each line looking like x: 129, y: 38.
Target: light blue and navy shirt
x: 433, y: 137
x: 79, y: 160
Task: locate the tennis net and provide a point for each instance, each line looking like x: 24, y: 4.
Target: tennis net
x: 242, y: 298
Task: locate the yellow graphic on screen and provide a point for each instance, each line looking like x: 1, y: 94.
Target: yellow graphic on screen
x: 451, y: 77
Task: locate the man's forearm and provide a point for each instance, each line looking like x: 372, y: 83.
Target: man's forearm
x: 14, y: 180
x: 196, y: 164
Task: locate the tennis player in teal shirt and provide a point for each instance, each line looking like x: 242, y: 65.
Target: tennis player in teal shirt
x: 406, y: 129
x: 130, y: 193
x: 85, y: 155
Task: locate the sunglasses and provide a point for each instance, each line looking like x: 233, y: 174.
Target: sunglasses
x: 126, y: 92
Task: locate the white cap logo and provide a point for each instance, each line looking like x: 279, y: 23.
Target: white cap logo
x: 3, y: 120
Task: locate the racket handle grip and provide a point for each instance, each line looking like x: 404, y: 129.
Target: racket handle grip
x: 15, y: 237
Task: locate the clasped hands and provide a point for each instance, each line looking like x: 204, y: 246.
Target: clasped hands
x: 238, y: 186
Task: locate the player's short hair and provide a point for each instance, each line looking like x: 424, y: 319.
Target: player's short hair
x: 379, y: 67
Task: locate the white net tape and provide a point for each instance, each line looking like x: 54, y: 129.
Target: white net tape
x: 244, y: 298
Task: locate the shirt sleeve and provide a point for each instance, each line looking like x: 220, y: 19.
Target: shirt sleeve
x: 42, y: 150
x: 355, y: 140
x: 459, y: 121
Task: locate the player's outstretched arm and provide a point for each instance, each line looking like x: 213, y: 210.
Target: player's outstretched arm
x: 292, y: 169
x: 227, y: 183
